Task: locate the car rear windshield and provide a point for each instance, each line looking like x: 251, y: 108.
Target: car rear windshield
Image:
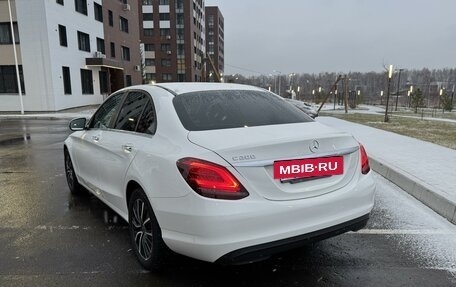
x: 224, y: 109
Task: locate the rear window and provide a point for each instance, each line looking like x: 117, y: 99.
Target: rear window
x: 225, y: 109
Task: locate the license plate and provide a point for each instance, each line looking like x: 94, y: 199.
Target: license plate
x: 309, y: 167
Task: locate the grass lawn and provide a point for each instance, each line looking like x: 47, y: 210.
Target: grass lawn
x: 441, y: 133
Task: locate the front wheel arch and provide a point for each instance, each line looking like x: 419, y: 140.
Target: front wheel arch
x: 72, y: 180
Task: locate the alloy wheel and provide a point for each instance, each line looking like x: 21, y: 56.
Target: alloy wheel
x: 142, y: 229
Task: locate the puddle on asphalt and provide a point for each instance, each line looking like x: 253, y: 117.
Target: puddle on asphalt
x: 15, y: 140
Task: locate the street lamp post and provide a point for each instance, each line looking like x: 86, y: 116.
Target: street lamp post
x: 398, y: 85
x: 335, y: 98
x: 440, y: 97
x: 452, y: 96
x: 280, y: 80
x: 275, y: 84
x: 357, y: 98
x: 291, y: 80
x: 19, y: 87
x: 319, y: 95
x: 279, y: 76
x: 390, y: 74
x: 410, y: 96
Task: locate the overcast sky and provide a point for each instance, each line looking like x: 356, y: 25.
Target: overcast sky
x: 315, y: 36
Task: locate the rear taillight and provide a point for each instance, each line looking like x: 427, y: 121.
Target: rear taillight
x: 210, y: 180
x: 365, y: 168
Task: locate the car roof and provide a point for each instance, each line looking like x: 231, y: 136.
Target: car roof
x: 181, y: 88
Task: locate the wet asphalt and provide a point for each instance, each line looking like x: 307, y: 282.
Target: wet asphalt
x: 50, y: 238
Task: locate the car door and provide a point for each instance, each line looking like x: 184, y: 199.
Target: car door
x: 86, y: 150
x: 119, y: 146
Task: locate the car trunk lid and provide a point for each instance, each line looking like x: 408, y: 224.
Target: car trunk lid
x: 252, y: 151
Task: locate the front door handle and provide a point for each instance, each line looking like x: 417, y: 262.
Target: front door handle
x: 127, y: 147
x: 95, y: 138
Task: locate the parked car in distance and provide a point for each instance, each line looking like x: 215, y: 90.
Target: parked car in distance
x: 223, y: 173
x: 306, y: 108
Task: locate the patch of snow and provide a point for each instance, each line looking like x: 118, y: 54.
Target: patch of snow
x: 433, y: 241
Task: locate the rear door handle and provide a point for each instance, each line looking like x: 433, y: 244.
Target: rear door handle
x: 127, y: 147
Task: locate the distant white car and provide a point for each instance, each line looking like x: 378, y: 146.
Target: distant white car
x: 218, y: 172
x: 306, y: 108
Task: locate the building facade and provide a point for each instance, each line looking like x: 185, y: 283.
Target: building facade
x: 215, y: 37
x: 173, y: 35
x: 62, y: 49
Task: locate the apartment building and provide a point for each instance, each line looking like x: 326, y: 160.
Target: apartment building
x: 173, y: 35
x: 70, y: 52
x: 214, y: 42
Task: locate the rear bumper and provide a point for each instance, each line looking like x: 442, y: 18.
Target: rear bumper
x: 230, y: 231
x: 262, y: 251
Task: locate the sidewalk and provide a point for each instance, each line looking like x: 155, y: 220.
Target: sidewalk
x: 425, y: 170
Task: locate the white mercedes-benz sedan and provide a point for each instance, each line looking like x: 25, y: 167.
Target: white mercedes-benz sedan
x: 219, y: 172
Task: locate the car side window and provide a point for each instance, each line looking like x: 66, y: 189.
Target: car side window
x: 103, y: 117
x: 148, y: 121
x: 131, y: 111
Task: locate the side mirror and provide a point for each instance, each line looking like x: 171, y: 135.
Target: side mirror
x: 78, y: 124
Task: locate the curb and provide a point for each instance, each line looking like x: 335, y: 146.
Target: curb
x: 428, y: 195
x: 35, y: 118
x: 44, y: 117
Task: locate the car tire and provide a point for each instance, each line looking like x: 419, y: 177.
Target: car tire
x: 145, y: 233
x: 72, y: 180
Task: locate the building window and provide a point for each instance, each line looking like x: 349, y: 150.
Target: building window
x: 8, y: 80
x: 113, y: 50
x: 81, y: 6
x: 147, y: 2
x: 63, y: 36
x: 149, y: 47
x: 180, y: 19
x: 150, y: 77
x: 123, y: 25
x: 125, y: 53
x: 164, y: 16
x: 167, y: 77
x: 180, y: 33
x: 181, y: 77
x: 165, y: 47
x: 128, y: 80
x: 5, y: 33
x: 59, y: 2
x: 86, y: 82
x: 165, y: 32
x: 166, y: 63
x: 149, y: 62
x: 100, y: 45
x: 148, y: 32
x: 110, y: 18
x: 66, y: 80
x: 83, y: 41
x: 98, y: 11
x: 148, y: 16
x: 164, y: 2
